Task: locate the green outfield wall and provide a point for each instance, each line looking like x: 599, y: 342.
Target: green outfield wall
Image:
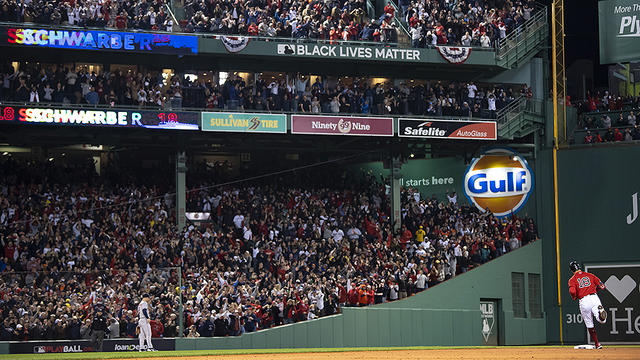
x: 447, y: 314
x: 597, y: 228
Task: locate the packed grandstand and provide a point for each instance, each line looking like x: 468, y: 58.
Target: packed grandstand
x: 60, y: 84
x: 73, y: 241
x: 429, y: 23
x: 77, y: 237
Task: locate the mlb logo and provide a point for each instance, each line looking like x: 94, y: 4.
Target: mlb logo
x: 285, y: 49
x: 38, y: 350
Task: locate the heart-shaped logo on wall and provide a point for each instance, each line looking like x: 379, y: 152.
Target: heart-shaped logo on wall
x: 620, y: 289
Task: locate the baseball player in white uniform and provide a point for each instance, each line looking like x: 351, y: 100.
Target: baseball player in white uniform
x: 143, y: 324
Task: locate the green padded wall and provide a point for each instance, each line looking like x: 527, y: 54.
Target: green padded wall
x: 447, y: 314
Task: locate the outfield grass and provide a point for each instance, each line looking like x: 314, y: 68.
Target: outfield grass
x: 136, y: 354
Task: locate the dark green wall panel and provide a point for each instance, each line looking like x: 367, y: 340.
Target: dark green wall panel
x: 595, y: 188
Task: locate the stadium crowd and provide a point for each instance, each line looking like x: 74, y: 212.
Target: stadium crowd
x: 604, y: 117
x: 38, y: 83
x: 430, y: 23
x: 463, y: 23
x: 72, y: 243
x: 119, y: 14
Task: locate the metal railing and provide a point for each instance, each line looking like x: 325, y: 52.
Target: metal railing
x: 520, y: 117
x: 397, y: 19
x: 520, y: 38
x: 176, y: 23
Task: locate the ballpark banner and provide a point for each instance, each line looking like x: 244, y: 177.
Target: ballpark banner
x: 619, y: 28
x: 454, y: 55
x: 621, y: 300
x: 80, y: 346
x: 235, y: 44
x: 447, y: 129
x: 140, y: 42
x: 349, y: 52
x: 180, y: 120
x: 244, y: 122
x: 341, y: 125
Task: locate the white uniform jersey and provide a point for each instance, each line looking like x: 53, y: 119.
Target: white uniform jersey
x: 141, y: 307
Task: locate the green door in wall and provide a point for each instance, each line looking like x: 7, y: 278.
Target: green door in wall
x: 489, y: 315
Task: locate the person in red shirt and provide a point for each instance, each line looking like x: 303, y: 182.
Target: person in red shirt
x: 617, y: 135
x: 352, y: 296
x: 121, y: 21
x: 157, y: 329
x: 583, y: 287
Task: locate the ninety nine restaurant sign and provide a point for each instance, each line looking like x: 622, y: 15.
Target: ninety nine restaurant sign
x: 244, y: 122
x: 619, y: 27
x: 336, y: 125
x: 100, y: 40
x: 447, y: 129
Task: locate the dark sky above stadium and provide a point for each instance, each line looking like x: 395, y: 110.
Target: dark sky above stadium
x: 581, y: 40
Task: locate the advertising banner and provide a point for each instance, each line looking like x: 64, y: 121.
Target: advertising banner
x: 150, y: 119
x: 244, y: 122
x: 349, y: 52
x: 621, y: 300
x: 80, y: 346
x: 499, y: 181
x: 448, y: 129
x: 100, y: 40
x: 619, y: 28
x: 339, y: 125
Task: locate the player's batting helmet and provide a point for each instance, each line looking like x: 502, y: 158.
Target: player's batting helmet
x: 574, y: 266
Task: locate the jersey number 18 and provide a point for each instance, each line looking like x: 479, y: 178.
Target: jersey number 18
x: 584, y: 282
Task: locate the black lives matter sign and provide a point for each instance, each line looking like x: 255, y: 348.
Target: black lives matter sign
x: 621, y: 299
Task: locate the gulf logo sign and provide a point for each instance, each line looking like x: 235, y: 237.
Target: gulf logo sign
x: 499, y: 181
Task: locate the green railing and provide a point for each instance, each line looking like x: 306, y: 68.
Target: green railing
x: 397, y: 19
x: 520, y: 118
x: 523, y: 43
x: 371, y: 10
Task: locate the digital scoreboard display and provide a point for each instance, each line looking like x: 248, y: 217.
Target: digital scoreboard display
x: 100, y: 40
x: 150, y: 119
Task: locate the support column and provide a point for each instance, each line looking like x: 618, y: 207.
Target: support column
x: 396, y: 217
x: 181, y: 188
x: 396, y: 211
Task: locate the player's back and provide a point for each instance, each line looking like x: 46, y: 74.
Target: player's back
x: 585, y: 283
x: 143, y: 305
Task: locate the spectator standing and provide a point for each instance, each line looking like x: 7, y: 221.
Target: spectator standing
x: 98, y: 329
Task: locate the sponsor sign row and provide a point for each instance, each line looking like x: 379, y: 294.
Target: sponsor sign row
x: 250, y: 122
x: 80, y: 346
x: 349, y: 125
